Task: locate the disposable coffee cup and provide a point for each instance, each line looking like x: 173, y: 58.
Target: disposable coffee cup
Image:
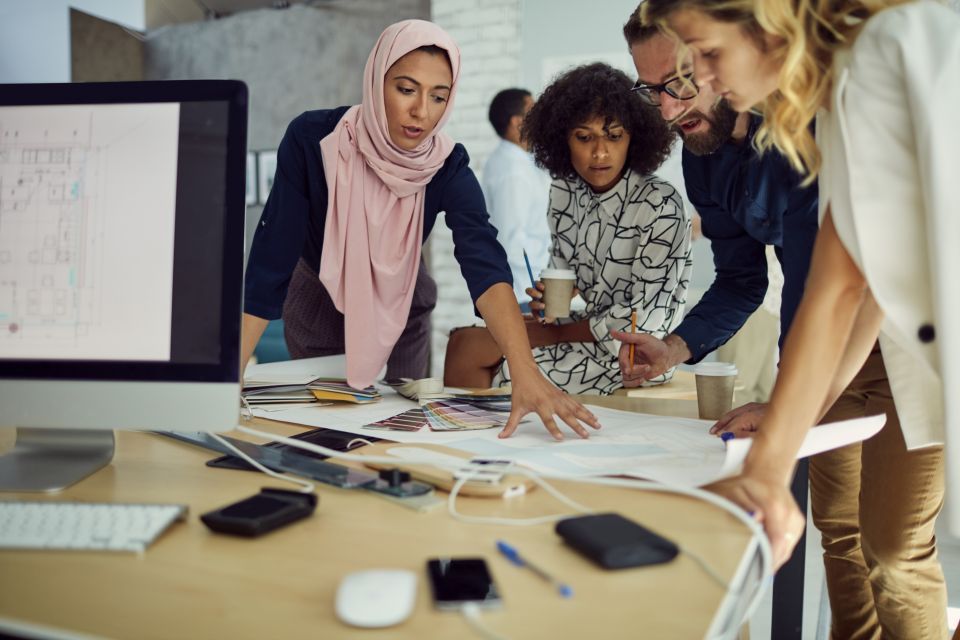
x: 715, y: 381
x: 557, y: 291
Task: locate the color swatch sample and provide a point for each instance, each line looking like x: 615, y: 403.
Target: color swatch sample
x: 456, y: 414
x: 412, y: 420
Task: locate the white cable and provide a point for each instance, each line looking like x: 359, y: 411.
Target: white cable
x: 763, y: 546
x: 333, y: 453
x: 710, y: 571
x: 350, y: 444
x: 306, y: 487
x: 246, y: 411
x: 471, y: 612
x: 521, y: 522
x: 430, y: 462
x: 766, y: 555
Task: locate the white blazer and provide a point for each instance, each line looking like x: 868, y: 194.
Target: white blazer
x: 891, y: 175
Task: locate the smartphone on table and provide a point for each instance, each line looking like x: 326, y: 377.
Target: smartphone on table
x: 455, y: 582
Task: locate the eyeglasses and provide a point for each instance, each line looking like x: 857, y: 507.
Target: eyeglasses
x: 681, y: 87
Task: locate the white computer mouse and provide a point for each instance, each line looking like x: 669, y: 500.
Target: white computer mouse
x: 376, y: 597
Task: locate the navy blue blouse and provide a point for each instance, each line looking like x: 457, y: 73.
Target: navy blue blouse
x: 293, y: 220
x: 747, y: 201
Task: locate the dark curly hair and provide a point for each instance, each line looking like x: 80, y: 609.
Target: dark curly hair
x: 587, y: 92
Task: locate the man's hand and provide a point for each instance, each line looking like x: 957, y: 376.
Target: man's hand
x: 532, y: 392
x: 651, y: 356
x: 743, y: 422
x: 772, y: 504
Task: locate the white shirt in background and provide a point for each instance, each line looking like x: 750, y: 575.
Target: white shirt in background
x: 516, y: 192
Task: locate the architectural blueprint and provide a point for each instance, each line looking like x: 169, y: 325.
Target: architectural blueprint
x: 671, y: 450
x: 87, y: 208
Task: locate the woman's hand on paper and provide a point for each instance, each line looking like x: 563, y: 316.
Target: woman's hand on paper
x: 534, y: 393
x: 771, y: 503
x: 742, y: 422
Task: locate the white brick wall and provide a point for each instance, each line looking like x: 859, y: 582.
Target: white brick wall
x: 488, y: 32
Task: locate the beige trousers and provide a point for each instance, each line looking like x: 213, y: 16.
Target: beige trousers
x: 875, y: 504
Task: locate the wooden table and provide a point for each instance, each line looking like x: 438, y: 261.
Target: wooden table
x: 195, y: 584
x: 683, y: 386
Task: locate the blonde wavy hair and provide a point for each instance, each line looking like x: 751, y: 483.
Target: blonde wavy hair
x: 810, y: 32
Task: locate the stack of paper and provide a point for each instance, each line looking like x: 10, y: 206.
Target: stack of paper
x: 338, y: 390
x: 277, y: 394
x: 272, y: 387
x: 278, y: 389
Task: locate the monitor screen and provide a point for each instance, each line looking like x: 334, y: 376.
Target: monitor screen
x: 121, y: 253
x: 113, y: 219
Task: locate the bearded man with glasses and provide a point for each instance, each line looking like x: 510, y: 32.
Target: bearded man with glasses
x: 681, y: 105
x: 746, y: 202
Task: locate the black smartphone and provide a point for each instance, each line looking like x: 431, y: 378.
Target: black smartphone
x: 268, y: 510
x: 457, y: 581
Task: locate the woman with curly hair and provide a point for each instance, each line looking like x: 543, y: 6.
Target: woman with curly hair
x: 881, y: 79
x: 621, y: 230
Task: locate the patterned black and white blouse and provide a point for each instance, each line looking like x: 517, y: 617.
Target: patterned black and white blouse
x: 630, y: 249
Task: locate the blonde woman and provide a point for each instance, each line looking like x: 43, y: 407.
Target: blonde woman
x: 882, y: 80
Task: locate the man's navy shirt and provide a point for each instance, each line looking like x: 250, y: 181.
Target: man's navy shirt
x: 747, y: 201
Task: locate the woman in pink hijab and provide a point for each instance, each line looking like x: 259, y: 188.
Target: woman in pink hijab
x: 357, y: 191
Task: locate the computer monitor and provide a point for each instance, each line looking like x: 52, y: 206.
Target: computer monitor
x: 121, y: 267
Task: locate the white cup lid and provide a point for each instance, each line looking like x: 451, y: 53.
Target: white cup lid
x: 715, y: 369
x: 558, y: 274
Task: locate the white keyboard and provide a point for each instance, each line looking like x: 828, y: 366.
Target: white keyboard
x: 84, y: 526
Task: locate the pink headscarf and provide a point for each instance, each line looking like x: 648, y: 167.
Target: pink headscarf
x: 374, y: 228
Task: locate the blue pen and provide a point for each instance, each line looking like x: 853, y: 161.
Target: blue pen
x: 727, y: 435
x: 513, y: 556
x: 533, y: 283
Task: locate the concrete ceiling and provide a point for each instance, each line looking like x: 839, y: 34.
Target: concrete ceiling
x: 164, y: 12
x: 236, y: 6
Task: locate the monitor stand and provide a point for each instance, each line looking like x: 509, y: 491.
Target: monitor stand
x: 49, y: 460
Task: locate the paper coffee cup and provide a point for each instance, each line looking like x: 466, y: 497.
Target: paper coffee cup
x: 715, y: 381
x: 557, y: 291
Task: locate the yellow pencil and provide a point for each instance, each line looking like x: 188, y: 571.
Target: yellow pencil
x: 633, y: 329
